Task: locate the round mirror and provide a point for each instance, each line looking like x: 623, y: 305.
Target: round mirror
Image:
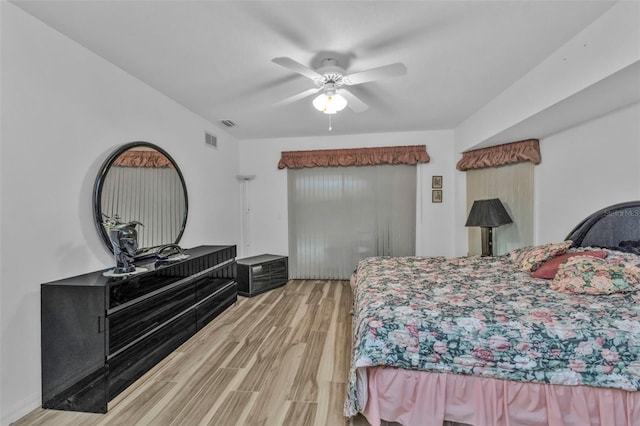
x: 141, y: 182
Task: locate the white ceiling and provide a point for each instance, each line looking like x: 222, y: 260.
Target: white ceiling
x: 214, y: 57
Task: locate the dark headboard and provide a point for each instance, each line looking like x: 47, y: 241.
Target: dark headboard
x: 616, y: 227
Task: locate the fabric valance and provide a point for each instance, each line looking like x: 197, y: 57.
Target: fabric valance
x: 412, y: 154
x: 143, y: 158
x: 499, y: 155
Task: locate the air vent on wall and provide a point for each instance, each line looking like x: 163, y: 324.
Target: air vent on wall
x: 210, y: 140
x: 228, y: 123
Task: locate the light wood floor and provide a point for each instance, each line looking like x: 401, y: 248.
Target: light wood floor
x: 281, y: 358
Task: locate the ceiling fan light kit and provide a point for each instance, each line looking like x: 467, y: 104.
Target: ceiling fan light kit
x: 329, y: 103
x: 330, y: 79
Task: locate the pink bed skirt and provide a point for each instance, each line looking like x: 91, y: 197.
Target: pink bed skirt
x: 421, y: 398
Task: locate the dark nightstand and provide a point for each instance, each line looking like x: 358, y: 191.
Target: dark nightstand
x: 258, y: 274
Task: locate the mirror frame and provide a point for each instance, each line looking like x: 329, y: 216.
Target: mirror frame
x: 99, y: 185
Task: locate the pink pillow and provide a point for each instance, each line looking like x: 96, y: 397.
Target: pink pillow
x: 549, y: 268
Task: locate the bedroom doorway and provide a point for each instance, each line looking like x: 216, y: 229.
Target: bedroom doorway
x: 340, y: 215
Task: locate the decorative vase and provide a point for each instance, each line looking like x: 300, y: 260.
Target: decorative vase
x: 124, y: 239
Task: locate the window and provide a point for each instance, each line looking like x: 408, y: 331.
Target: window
x: 339, y: 215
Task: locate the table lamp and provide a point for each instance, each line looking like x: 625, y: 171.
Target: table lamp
x: 487, y: 214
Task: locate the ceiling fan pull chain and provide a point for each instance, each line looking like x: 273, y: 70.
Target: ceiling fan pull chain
x: 330, y: 121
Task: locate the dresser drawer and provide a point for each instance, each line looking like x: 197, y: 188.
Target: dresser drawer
x: 133, y: 362
x: 209, y: 308
x: 136, y: 288
x: 127, y: 325
x: 210, y: 285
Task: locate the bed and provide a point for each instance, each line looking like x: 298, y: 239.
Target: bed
x: 486, y: 341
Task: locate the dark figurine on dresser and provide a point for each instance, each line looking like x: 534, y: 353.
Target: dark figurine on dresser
x: 124, y: 239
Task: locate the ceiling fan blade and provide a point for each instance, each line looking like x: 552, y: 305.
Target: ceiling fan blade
x: 298, y: 67
x: 353, y: 101
x: 298, y: 96
x: 274, y: 18
x: 391, y: 70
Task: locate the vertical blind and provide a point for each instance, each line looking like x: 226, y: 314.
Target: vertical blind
x: 340, y: 215
x: 150, y: 195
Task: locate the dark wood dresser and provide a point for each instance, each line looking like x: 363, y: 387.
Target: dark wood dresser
x: 100, y: 334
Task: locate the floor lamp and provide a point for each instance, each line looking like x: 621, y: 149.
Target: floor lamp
x: 245, y: 229
x: 488, y: 214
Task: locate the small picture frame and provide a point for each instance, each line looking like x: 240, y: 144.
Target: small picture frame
x: 436, y: 182
x: 436, y: 196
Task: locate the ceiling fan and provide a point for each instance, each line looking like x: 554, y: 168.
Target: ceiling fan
x: 330, y: 80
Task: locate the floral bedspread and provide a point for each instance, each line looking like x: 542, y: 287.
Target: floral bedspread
x: 481, y: 316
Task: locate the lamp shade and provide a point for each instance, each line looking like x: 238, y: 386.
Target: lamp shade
x: 330, y: 103
x: 488, y: 213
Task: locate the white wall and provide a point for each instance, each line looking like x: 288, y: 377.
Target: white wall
x: 268, y: 191
x: 608, y: 45
x: 585, y: 169
x: 64, y: 110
